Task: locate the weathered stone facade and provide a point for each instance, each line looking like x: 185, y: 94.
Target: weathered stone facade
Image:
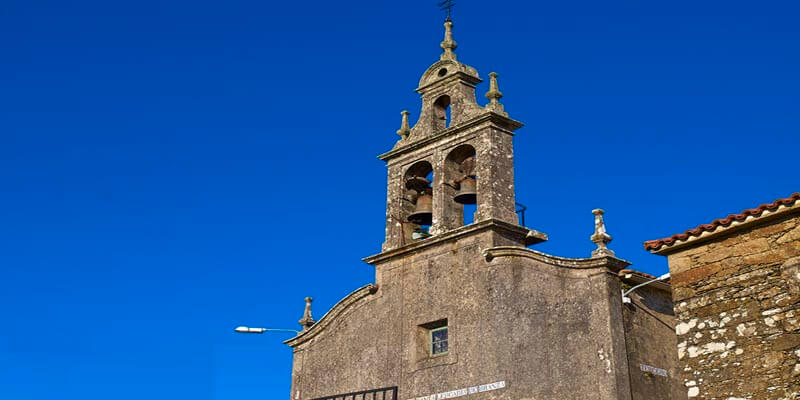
x: 736, y: 289
x: 521, y: 324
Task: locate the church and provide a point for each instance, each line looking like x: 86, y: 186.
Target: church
x: 461, y: 306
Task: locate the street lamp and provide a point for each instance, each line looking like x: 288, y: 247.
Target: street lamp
x: 247, y: 329
x: 306, y: 322
x: 627, y: 300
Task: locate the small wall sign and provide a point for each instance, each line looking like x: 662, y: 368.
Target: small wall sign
x: 653, y: 370
x: 464, y: 392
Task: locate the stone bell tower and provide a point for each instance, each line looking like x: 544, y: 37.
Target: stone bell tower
x: 457, y: 153
x: 460, y: 307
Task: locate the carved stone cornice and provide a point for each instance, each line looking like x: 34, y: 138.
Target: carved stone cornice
x: 612, y: 263
x: 500, y: 122
x: 530, y: 237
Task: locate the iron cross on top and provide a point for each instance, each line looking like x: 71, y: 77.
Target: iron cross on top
x: 447, y: 5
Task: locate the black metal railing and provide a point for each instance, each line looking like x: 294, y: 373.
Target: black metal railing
x: 520, y: 210
x: 388, y: 393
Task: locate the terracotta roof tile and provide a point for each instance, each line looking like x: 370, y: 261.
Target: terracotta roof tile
x: 655, y: 245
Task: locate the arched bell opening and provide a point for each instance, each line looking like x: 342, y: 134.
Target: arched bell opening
x: 417, y: 201
x: 462, y: 182
x: 441, y: 112
x: 468, y: 215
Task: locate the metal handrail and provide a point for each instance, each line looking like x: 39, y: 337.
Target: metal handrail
x: 374, y: 392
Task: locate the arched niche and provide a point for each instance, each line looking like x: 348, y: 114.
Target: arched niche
x: 441, y: 112
x: 417, y: 209
x: 460, y: 173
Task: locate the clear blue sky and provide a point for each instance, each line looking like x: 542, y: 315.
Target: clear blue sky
x: 170, y: 170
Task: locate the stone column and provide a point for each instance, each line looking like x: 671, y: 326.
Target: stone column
x: 495, y: 162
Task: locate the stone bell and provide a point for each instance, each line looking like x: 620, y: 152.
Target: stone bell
x: 423, y: 210
x: 467, y: 191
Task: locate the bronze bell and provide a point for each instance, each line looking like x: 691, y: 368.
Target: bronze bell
x: 467, y: 191
x: 418, y: 183
x: 423, y: 212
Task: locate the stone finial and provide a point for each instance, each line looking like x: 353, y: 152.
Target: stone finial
x: 494, y: 94
x: 600, y: 237
x: 307, y: 321
x: 404, y: 130
x: 448, y: 44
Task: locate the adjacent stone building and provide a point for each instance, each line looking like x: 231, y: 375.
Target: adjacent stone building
x: 460, y: 306
x: 736, y: 287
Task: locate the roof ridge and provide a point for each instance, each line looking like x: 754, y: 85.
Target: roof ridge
x: 657, y: 244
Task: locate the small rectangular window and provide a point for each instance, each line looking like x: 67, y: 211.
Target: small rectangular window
x: 439, y: 341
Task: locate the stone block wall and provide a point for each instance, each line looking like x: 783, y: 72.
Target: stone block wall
x: 737, y: 304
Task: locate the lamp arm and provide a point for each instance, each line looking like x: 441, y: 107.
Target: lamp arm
x: 279, y: 330
x: 660, y: 278
x: 247, y: 329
